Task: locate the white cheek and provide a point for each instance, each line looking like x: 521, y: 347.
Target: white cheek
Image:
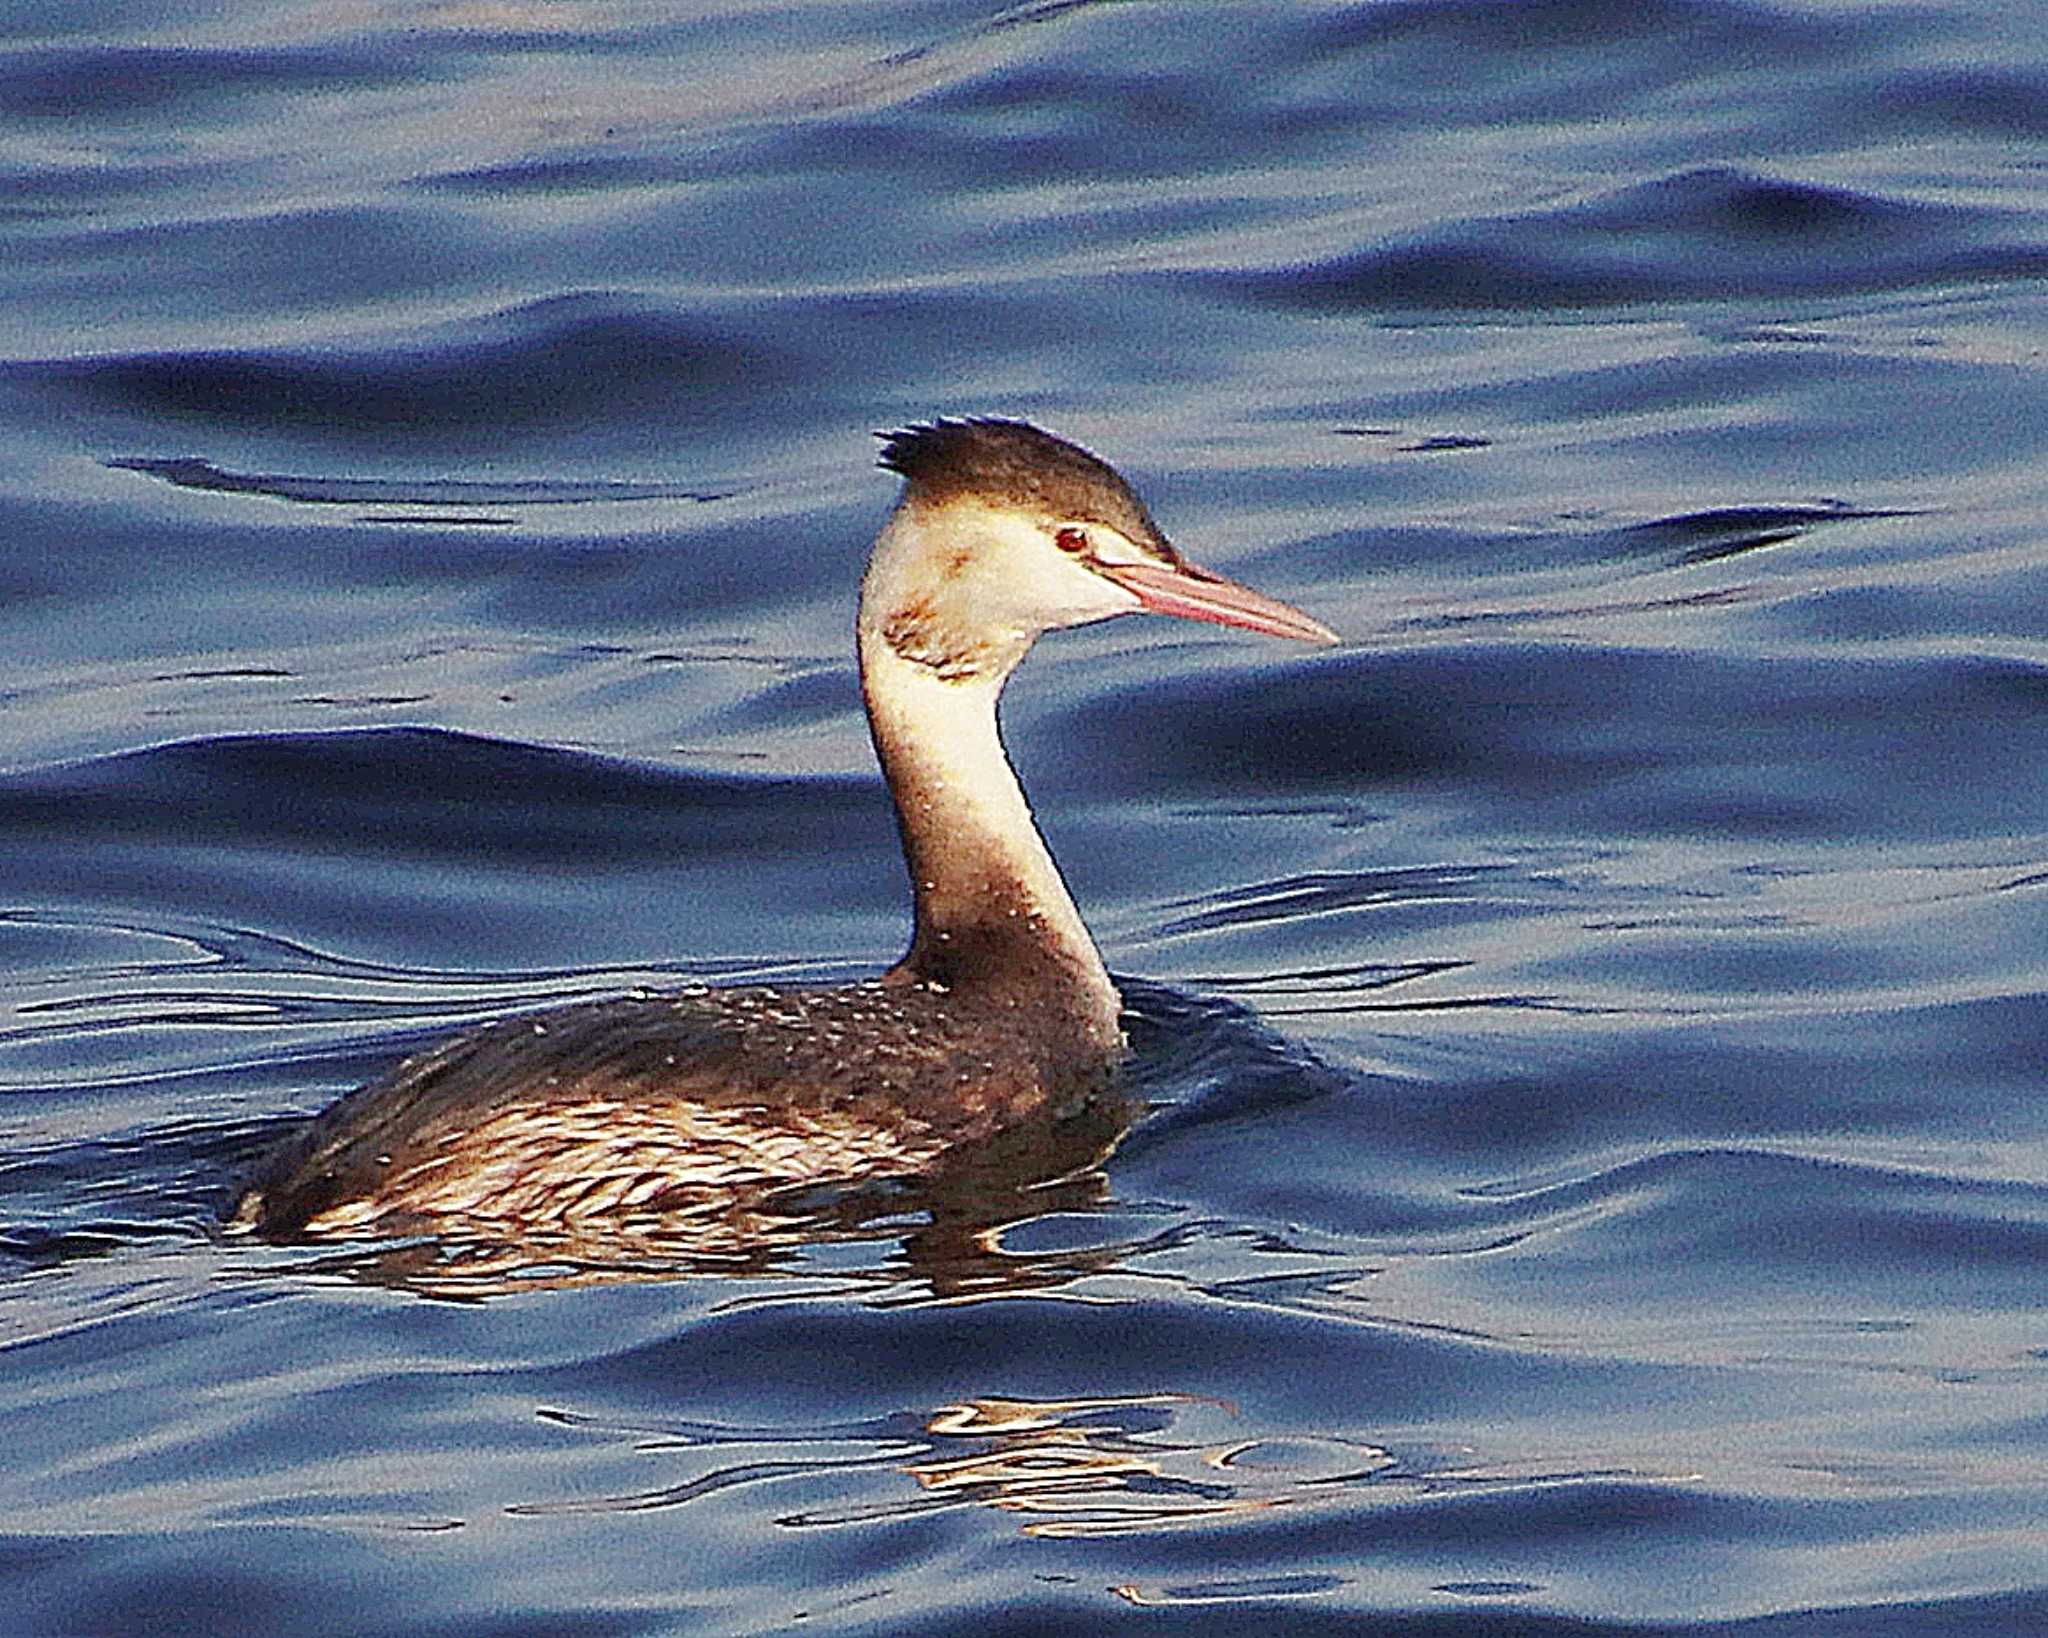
x: 1024, y: 582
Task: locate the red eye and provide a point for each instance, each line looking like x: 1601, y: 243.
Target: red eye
x: 1072, y: 539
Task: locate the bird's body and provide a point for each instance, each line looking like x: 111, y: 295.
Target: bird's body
x: 630, y: 1110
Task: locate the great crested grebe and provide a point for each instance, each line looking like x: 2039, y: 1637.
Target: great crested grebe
x: 621, y: 1111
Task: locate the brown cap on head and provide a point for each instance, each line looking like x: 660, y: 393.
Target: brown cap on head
x: 1012, y: 463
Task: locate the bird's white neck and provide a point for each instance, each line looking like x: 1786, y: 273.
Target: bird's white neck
x: 991, y: 907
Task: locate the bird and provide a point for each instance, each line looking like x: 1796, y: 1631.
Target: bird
x: 634, y: 1110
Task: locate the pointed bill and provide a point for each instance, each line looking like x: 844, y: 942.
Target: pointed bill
x: 1198, y: 594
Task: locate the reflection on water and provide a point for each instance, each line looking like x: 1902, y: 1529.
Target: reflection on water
x: 1105, y: 1467
x: 1075, y: 1468
x: 1117, y: 1466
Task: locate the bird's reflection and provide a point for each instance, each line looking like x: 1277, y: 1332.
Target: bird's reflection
x: 1101, y: 1466
x: 1089, y: 1467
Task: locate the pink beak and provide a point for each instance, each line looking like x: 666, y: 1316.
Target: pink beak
x: 1196, y: 594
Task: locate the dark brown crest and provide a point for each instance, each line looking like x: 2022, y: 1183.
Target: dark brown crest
x: 1012, y: 463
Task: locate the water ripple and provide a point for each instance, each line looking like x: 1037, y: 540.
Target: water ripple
x: 1708, y: 234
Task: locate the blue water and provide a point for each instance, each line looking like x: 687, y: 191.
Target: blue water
x: 1592, y: 1027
